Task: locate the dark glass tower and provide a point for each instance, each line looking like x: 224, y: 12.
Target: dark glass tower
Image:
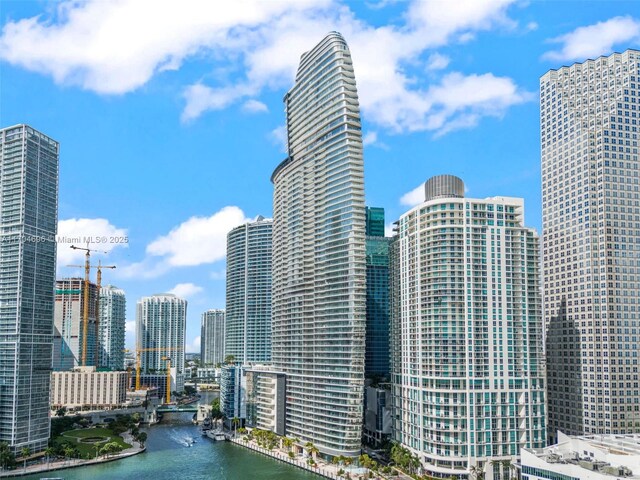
x: 377, y: 336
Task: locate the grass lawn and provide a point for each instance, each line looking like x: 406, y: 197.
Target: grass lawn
x: 92, y: 437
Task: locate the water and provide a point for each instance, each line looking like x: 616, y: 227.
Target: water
x: 169, y: 458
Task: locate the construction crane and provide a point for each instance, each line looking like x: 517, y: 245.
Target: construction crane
x: 139, y: 353
x: 99, y: 267
x: 168, y: 388
x: 85, y: 310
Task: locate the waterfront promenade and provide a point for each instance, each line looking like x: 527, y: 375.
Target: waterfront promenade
x: 74, y: 462
x: 324, y: 470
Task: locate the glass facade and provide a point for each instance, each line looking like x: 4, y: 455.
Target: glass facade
x: 248, y: 327
x: 377, y: 335
x: 28, y: 225
x: 69, y: 331
x: 160, y: 329
x: 111, y: 327
x: 319, y: 269
x: 212, y: 328
x: 467, y: 344
x: 591, y: 243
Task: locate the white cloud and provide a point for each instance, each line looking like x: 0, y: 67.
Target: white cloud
x: 104, y: 238
x: 437, y: 61
x: 130, y: 326
x: 532, y: 26
x: 199, y: 240
x: 278, y: 137
x: 254, y: 106
x: 388, y: 230
x: 194, y: 345
x: 594, y: 40
x: 116, y: 47
x: 414, y: 197
x: 370, y: 138
x: 460, y: 101
x: 186, y: 290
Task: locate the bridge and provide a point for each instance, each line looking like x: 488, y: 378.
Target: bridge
x: 192, y: 407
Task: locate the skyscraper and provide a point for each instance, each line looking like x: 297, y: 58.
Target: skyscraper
x: 467, y: 346
x: 591, y: 243
x: 28, y: 225
x: 319, y: 272
x: 248, y: 322
x: 212, y: 328
x: 160, y: 332
x: 377, y: 337
x: 111, y: 328
x: 69, y: 330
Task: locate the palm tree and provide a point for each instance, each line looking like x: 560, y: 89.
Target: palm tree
x: 25, y: 451
x: 49, y: 452
x: 68, y: 451
x: 235, y: 423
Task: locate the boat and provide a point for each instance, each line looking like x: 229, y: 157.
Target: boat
x: 207, y: 424
x: 216, y: 435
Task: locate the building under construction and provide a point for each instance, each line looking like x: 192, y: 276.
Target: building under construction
x: 69, y: 330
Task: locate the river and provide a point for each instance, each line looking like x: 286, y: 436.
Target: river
x: 169, y: 458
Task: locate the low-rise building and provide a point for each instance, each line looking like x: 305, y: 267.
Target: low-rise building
x: 84, y: 387
x: 594, y: 457
x: 266, y: 400
x: 377, y: 416
x: 233, y: 386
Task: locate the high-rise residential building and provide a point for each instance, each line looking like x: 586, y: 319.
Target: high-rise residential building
x: 28, y: 225
x: 377, y: 336
x: 111, y: 327
x: 212, y: 328
x: 319, y: 271
x: 467, y: 333
x: 160, y: 332
x: 248, y: 321
x: 591, y: 242
x: 69, y: 326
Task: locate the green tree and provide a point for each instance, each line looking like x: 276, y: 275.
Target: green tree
x: 69, y: 452
x: 111, y: 448
x: 49, y: 452
x: 229, y: 359
x: 142, y: 437
x: 25, y: 452
x: 7, y: 458
x: 61, y: 412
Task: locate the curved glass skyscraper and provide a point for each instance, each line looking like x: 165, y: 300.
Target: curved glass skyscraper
x: 248, y: 323
x: 319, y: 272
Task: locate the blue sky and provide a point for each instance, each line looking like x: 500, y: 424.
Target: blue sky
x: 170, y: 115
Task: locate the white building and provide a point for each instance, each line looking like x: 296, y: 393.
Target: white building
x: 266, y: 399
x: 319, y: 271
x: 248, y: 299
x: 212, y: 337
x: 466, y: 329
x: 111, y: 327
x: 160, y: 333
x: 85, y: 387
x: 593, y: 457
x: 28, y: 225
x: 591, y: 223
